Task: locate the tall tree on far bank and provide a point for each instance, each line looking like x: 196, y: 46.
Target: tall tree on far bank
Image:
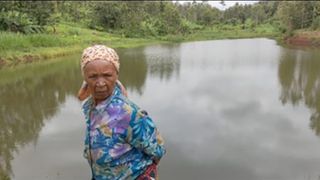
x: 295, y: 14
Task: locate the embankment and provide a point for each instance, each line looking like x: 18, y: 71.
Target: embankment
x: 304, y: 38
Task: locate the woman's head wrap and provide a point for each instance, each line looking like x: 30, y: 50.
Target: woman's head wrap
x: 100, y: 52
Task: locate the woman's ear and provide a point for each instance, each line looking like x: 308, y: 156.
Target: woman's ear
x: 84, y: 91
x: 122, y: 88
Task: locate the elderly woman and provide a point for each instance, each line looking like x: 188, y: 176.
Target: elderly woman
x: 122, y: 141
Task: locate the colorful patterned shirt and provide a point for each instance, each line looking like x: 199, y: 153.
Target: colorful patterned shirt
x: 123, y: 138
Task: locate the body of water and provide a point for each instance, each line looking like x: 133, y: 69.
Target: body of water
x: 243, y: 109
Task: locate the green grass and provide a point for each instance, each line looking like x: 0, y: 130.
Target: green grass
x: 71, y: 38
x: 68, y: 38
x: 226, y: 32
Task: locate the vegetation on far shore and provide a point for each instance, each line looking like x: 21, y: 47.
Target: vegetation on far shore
x: 30, y: 32
x: 16, y: 48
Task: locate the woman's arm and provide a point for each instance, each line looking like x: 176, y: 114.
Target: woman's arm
x: 143, y: 134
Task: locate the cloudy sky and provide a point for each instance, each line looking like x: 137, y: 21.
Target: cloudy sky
x: 228, y: 4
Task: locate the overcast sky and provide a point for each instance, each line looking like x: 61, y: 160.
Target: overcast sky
x: 228, y: 4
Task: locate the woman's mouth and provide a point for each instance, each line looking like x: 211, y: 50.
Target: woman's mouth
x: 101, y: 92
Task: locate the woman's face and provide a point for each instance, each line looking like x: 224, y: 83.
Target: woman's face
x: 101, y: 77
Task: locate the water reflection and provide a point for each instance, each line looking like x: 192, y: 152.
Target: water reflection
x: 161, y: 61
x: 133, y: 69
x: 28, y: 102
x: 229, y: 104
x: 299, y: 77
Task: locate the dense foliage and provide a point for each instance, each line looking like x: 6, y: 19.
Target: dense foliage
x: 155, y: 18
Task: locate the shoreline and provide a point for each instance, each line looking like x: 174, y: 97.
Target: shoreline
x: 300, y: 38
x: 61, y: 52
x: 56, y: 52
x: 16, y: 49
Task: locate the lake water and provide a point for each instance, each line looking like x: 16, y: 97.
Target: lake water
x: 244, y: 109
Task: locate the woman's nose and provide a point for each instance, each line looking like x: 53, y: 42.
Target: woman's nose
x: 101, y: 82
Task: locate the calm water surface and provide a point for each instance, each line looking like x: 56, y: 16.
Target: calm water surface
x: 228, y: 109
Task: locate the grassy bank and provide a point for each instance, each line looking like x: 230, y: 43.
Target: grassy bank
x: 72, y: 38
x: 68, y: 38
x: 227, y: 32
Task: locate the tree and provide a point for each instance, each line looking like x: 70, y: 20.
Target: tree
x: 296, y: 14
x: 28, y: 17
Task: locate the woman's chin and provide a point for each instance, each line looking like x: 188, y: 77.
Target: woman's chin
x: 101, y: 96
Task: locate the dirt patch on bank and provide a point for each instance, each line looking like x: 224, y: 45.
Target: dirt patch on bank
x: 2, y: 62
x: 311, y: 39
x: 30, y: 58
x: 17, y: 60
x: 13, y: 61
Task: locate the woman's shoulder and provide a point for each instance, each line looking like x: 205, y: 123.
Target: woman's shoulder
x: 130, y: 106
x: 121, y: 100
x: 124, y: 101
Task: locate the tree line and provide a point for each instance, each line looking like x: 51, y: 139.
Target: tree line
x: 157, y: 18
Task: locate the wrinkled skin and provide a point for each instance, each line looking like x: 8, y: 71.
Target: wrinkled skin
x: 101, y: 77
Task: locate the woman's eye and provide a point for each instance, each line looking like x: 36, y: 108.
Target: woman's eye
x: 107, y: 75
x: 92, y: 76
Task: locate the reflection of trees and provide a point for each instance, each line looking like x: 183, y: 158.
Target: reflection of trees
x: 160, y: 61
x: 26, y: 103
x: 299, y: 77
x: 133, y: 68
x: 163, y: 60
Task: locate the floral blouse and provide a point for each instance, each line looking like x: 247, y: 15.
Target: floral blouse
x: 122, y: 138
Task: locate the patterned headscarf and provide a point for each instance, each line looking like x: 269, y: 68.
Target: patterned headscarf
x: 100, y: 52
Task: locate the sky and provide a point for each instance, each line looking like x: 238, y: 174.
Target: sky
x: 228, y: 4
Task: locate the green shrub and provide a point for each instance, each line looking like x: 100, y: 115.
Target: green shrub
x: 316, y: 23
x: 148, y: 27
x: 16, y: 21
x: 188, y: 27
